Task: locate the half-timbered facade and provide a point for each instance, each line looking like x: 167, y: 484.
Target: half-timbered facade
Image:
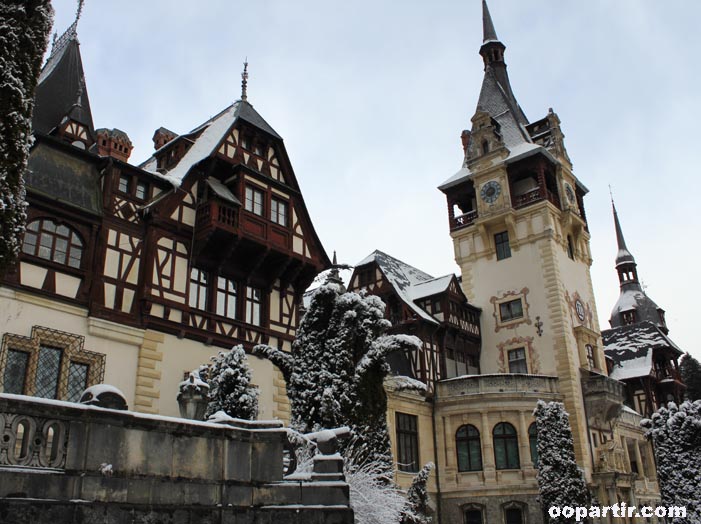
x: 433, y: 309
x: 140, y: 273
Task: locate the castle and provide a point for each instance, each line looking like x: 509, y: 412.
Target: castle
x: 135, y: 274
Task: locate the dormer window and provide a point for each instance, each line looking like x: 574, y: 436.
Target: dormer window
x: 628, y: 317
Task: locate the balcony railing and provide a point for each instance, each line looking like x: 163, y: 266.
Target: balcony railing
x: 216, y: 215
x: 535, y: 195
x: 464, y: 220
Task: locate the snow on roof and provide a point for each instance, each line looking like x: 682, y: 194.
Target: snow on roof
x: 631, y: 348
x: 222, y: 191
x: 205, y: 144
x: 458, y: 177
x: 409, y: 283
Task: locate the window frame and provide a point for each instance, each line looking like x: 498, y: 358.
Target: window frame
x: 54, y: 230
x: 254, y: 306
x: 281, y: 219
x: 250, y: 203
x: 199, y: 282
x: 507, y: 306
x: 502, y: 245
x: 227, y: 298
x: 468, y: 441
x: 523, y: 360
x: 139, y: 186
x: 407, y: 433
x: 508, y: 444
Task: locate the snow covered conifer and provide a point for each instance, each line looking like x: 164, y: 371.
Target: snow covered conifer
x: 230, y: 390
x: 691, y: 376
x: 24, y: 33
x: 676, y: 433
x: 418, y: 510
x: 337, y: 366
x: 560, y: 480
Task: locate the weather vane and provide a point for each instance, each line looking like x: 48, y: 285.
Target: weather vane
x: 244, y: 81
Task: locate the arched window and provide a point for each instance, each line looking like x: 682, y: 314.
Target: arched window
x: 506, y: 446
x: 467, y: 442
x: 50, y: 240
x: 485, y: 147
x: 533, y: 442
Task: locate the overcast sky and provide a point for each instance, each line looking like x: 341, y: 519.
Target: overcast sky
x: 371, y: 97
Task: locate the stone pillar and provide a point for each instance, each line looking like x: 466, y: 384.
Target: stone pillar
x: 524, y: 445
x: 487, y: 448
x: 639, y: 459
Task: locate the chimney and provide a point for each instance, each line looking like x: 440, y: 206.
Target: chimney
x: 161, y: 137
x: 114, y: 143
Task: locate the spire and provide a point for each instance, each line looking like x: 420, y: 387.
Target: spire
x: 490, y: 35
x: 61, y: 89
x: 624, y: 256
x: 244, y: 81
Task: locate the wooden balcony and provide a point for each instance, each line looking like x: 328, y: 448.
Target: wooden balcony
x: 214, y: 215
x: 533, y: 196
x: 463, y: 220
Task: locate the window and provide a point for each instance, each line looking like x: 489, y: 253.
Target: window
x: 15, y: 376
x: 517, y: 361
x: 278, y: 211
x: 501, y: 241
x: 570, y: 247
x: 407, y: 442
x: 365, y: 276
x: 124, y: 184
x: 436, y: 306
x: 467, y: 442
x: 48, y: 364
x: 505, y: 446
x: 511, y: 310
x: 472, y: 516
x: 142, y: 190
x: 590, y: 356
x: 253, y: 303
x: 533, y: 443
x: 198, y: 289
x: 226, y: 297
x: 49, y: 240
x: 628, y: 317
x: 513, y: 516
x: 254, y: 201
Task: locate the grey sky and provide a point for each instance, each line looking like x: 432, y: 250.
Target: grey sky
x: 371, y: 97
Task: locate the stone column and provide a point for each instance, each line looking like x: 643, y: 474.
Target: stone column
x: 487, y: 448
x: 639, y: 458
x: 524, y: 445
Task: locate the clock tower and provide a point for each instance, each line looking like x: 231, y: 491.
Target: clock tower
x: 516, y: 215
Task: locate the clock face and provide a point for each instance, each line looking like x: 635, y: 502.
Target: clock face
x: 490, y: 191
x: 579, y: 307
x: 569, y: 193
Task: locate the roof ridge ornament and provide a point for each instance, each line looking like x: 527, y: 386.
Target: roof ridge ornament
x: 244, y: 81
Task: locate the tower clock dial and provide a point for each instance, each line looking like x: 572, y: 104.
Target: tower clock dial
x: 490, y: 191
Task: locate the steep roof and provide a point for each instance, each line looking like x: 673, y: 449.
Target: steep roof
x: 61, y: 91
x: 207, y: 136
x: 631, y: 348
x: 409, y: 282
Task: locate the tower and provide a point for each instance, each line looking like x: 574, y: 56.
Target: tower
x: 516, y: 215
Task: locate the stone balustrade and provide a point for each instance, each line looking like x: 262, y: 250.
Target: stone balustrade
x: 79, y: 460
x: 497, y: 383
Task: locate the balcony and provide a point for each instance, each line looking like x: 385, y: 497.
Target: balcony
x: 603, y: 398
x: 214, y: 215
x: 463, y: 220
x: 520, y: 384
x: 533, y: 196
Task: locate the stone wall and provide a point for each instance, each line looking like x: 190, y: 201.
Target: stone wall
x: 84, y: 464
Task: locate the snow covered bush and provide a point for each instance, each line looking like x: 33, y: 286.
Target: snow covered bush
x: 24, y: 34
x: 560, y: 480
x: 230, y: 389
x: 676, y: 434
x: 417, y: 509
x: 336, y: 369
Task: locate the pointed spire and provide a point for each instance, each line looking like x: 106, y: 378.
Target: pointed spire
x: 244, y: 81
x: 490, y: 34
x: 79, y: 11
x: 624, y: 256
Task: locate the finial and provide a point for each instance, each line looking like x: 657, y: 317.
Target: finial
x: 79, y: 11
x: 611, y: 193
x: 488, y: 32
x: 335, y: 261
x: 244, y: 81
x: 53, y: 42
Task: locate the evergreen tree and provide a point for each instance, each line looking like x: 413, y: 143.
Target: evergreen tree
x: 24, y: 33
x: 337, y: 366
x: 560, y: 480
x: 230, y: 390
x: 676, y: 434
x: 418, y: 510
x: 691, y: 376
